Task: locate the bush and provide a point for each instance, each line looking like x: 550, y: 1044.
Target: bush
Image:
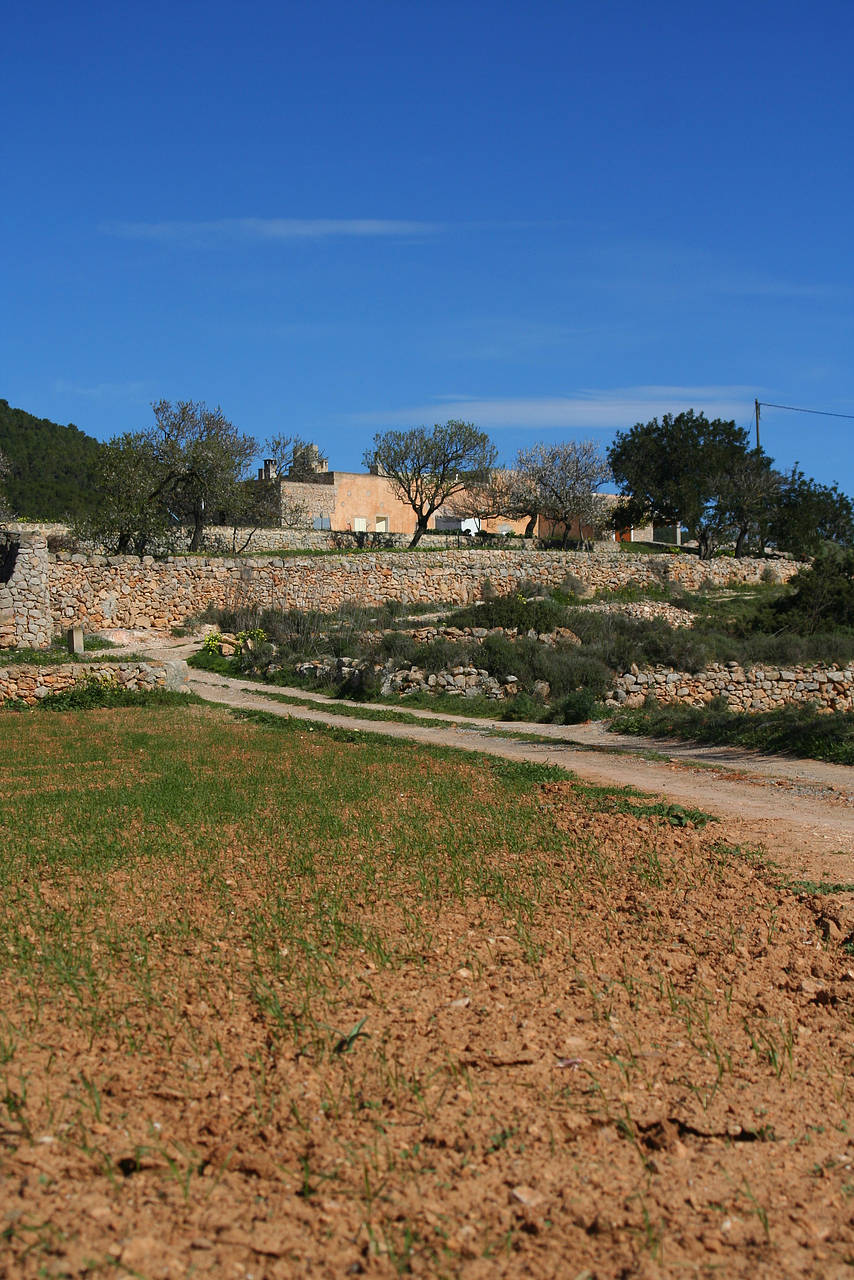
x: 618, y: 641
x: 395, y: 644
x: 794, y: 730
x: 94, y: 693
x: 821, y: 598
x: 62, y: 542
x: 574, y: 708
x: 522, y: 707
x: 565, y: 669
x: 443, y: 654
x: 570, y: 585
x: 512, y: 611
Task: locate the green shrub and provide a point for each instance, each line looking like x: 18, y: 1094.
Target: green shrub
x: 395, y: 644
x: 565, y: 668
x: 574, y: 708
x: 441, y: 654
x: 820, y: 598
x: 93, y: 693
x: 570, y: 585
x: 800, y: 729
x: 522, y: 707
x: 512, y: 611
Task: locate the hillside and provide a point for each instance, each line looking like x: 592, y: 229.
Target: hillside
x: 52, y: 466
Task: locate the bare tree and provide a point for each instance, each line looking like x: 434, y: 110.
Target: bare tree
x: 502, y: 493
x: 427, y: 468
x: 565, y: 478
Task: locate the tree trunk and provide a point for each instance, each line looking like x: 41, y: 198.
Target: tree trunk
x: 420, y: 530
x: 531, y: 526
x: 198, y: 530
x: 739, y: 542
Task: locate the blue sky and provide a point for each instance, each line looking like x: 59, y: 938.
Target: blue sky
x: 552, y: 219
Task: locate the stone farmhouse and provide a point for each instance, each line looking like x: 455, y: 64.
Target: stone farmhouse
x: 357, y: 502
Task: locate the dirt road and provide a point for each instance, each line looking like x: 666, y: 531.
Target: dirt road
x: 800, y: 811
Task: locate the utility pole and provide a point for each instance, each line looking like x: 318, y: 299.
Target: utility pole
x: 756, y: 403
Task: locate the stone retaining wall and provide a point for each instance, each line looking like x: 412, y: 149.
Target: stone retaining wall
x: 29, y: 683
x: 760, y: 688
x: 124, y: 591
x: 224, y: 540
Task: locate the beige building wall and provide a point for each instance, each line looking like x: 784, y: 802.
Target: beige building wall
x: 365, y: 503
x: 369, y: 504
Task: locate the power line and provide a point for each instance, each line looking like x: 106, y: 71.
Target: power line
x: 824, y: 413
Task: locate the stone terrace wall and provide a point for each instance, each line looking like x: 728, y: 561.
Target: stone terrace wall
x: 123, y: 591
x: 25, y: 613
x: 759, y: 688
x: 26, y: 683
x: 221, y: 539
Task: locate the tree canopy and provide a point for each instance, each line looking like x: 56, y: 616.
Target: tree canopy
x: 5, y: 510
x: 806, y: 515
x: 565, y: 479
x: 189, y: 468
x: 51, y: 467
x: 691, y: 470
x: 427, y: 467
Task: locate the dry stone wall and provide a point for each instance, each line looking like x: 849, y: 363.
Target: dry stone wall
x: 30, y: 683
x: 25, y: 614
x: 124, y: 591
x: 760, y: 688
x: 226, y: 540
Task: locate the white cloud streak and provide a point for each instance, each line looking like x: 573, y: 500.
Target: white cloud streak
x: 103, y: 390
x: 268, y: 230
x: 590, y: 410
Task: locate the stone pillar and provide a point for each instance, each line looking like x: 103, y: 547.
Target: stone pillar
x: 25, y: 616
x: 74, y: 639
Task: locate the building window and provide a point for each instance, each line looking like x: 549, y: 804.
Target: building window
x: 321, y: 522
x: 381, y: 525
x: 360, y: 524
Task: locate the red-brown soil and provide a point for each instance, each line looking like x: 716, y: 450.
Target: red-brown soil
x: 650, y: 1076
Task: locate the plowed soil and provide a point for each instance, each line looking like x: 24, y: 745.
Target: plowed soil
x: 475, y: 1022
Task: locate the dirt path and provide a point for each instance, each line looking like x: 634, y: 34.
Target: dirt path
x: 800, y: 811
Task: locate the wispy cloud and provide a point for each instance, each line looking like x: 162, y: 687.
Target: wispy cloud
x: 103, y: 390
x: 268, y: 229
x: 751, y: 285
x: 582, y: 411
